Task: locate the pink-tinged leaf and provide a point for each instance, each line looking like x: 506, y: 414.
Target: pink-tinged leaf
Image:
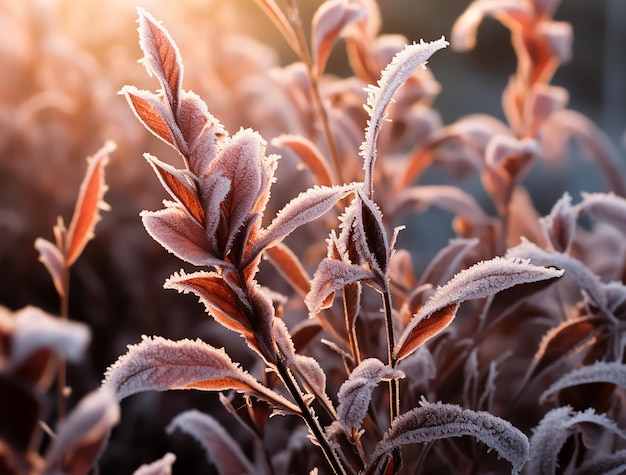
x: 52, y: 258
x: 88, y: 204
x: 479, y: 281
x: 356, y: 392
x: 163, y: 466
x: 612, y: 464
x: 290, y: 267
x: 330, y: 22
x: 559, y: 37
x: 222, y: 450
x: 503, y: 148
x: 599, y: 372
x: 161, y: 56
x: 306, y: 207
x: 177, y: 232
x: 330, y: 277
x: 370, y: 236
x: 310, y: 156
x: 465, y: 28
x: 395, y: 74
x: 180, y: 185
x: 431, y: 422
x: 556, y: 427
x: 605, y: 207
x: 157, y: 364
x: 34, y: 330
x: 560, y: 225
x: 83, y: 435
x: 542, y: 101
x: 154, y: 115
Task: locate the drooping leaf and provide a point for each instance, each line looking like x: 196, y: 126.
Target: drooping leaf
x: 554, y: 429
x: 607, y: 208
x: 181, y: 235
x: 330, y: 277
x: 481, y: 280
x: 310, y: 156
x: 356, y: 392
x: 559, y: 226
x: 52, y: 258
x: 88, y: 204
x: 83, y: 435
x: 395, y: 74
x: 161, y: 56
x: 330, y: 21
x: 599, y: 372
x: 221, y: 448
x: 34, y: 330
x: 163, y: 466
x: 157, y: 364
x: 431, y: 422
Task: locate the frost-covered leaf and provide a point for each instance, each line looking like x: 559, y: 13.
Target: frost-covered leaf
x: 431, y: 422
x: 599, y: 372
x: 559, y: 226
x: 180, y: 185
x: 481, y: 280
x: 613, y: 464
x: 330, y: 277
x: 83, y: 435
x: 53, y: 259
x: 307, y: 206
x: 163, y: 466
x: 88, y: 204
x: 356, y: 392
x: 177, y: 232
x: 554, y: 429
x: 221, y: 448
x: 310, y: 156
x: 157, y: 364
x: 329, y: 23
x: 607, y: 208
x: 34, y: 330
x: 370, y: 236
x: 161, y: 56
x: 395, y: 74
x: 446, y: 263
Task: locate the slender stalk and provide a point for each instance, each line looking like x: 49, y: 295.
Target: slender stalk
x: 62, y: 371
x: 394, y: 387
x: 309, y: 418
x: 350, y: 327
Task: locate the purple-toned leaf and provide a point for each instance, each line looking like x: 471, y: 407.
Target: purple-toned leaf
x: 53, y: 259
x: 180, y: 185
x: 559, y: 37
x: 330, y: 277
x: 612, y: 464
x: 605, y: 207
x: 554, y: 429
x: 34, y: 330
x: 181, y: 235
x: 157, y: 364
x: 356, y: 392
x: 154, y: 115
x: 221, y: 448
x: 479, y: 281
x: 290, y: 267
x: 310, y: 156
x: 161, y: 56
x: 88, y: 204
x: 599, y: 372
x: 306, y: 207
x: 163, y: 466
x: 330, y: 22
x: 559, y: 226
x: 83, y: 435
x: 370, y: 236
x: 395, y: 74
x: 431, y: 422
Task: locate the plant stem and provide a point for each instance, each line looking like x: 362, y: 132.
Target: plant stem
x: 394, y: 389
x: 309, y: 418
x: 62, y: 371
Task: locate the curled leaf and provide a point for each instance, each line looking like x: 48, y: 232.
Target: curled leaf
x: 481, y: 280
x: 606, y: 207
x: 431, y: 422
x: 356, y: 392
x: 221, y: 449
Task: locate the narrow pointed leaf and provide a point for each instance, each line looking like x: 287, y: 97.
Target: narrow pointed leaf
x: 290, y: 267
x: 89, y: 203
x: 221, y: 448
x: 607, y: 208
x: 161, y: 56
x: 83, y: 435
x: 559, y: 226
x: 356, y: 392
x: 163, y: 466
x: 52, y: 258
x: 157, y: 364
x: 446, y: 263
x: 479, y: 281
x: 310, y: 156
x: 613, y: 464
x: 431, y: 422
x: 371, y: 230
x: 282, y: 24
